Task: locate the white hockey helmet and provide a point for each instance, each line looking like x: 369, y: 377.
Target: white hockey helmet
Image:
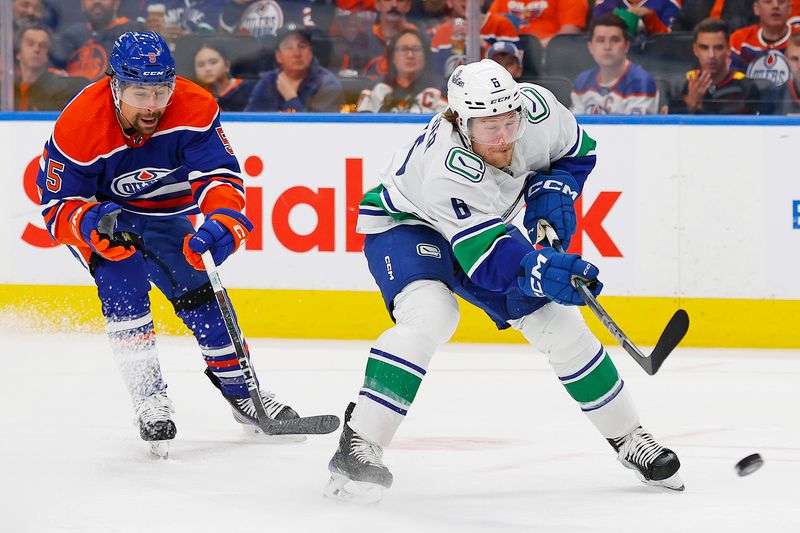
x: 483, y: 89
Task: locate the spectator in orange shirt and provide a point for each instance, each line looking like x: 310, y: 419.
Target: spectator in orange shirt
x: 448, y: 42
x: 37, y: 88
x: 84, y: 47
x: 392, y: 21
x: 544, y: 18
x: 758, y: 48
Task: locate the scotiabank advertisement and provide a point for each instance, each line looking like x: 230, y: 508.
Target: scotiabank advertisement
x: 670, y: 210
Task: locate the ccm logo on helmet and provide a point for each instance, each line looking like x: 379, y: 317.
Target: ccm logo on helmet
x: 501, y: 99
x: 153, y: 73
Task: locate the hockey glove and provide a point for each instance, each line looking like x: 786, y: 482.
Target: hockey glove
x: 96, y: 226
x: 548, y: 274
x: 551, y: 197
x: 223, y: 232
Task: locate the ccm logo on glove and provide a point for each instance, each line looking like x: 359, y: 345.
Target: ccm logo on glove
x: 552, y: 185
x: 551, y: 198
x: 536, y: 276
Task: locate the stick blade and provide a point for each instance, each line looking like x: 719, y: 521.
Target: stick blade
x: 307, y: 425
x: 673, y: 334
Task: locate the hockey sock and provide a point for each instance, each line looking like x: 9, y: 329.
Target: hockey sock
x: 427, y: 315
x: 133, y: 343
x: 601, y: 394
x: 208, y: 327
x: 395, y: 368
x: 123, y: 290
x: 583, y: 367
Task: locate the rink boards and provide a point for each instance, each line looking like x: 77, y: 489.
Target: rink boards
x: 698, y: 213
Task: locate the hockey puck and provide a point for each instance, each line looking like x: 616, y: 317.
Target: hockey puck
x: 749, y: 464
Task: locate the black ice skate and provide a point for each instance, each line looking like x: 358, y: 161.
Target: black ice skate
x: 357, y: 470
x: 652, y: 463
x: 154, y: 418
x: 244, y: 411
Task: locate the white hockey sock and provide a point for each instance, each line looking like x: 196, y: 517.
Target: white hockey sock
x: 133, y: 343
x: 584, y: 368
x: 427, y: 315
x: 395, y: 368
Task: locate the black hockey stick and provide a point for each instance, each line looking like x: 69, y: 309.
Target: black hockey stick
x: 312, y: 425
x: 676, y: 328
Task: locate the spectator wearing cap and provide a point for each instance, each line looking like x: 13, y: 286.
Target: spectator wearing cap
x: 299, y: 83
x: 36, y: 87
x: 447, y: 43
x: 407, y: 88
x: 616, y: 86
x: 508, y: 55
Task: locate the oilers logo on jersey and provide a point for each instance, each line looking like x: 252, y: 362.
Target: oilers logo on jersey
x: 138, y: 181
x: 771, y: 66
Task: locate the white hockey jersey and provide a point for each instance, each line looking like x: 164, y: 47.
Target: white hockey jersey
x: 437, y: 181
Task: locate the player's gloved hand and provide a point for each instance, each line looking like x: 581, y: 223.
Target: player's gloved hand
x: 223, y: 232
x: 548, y: 274
x: 97, y: 225
x: 551, y: 197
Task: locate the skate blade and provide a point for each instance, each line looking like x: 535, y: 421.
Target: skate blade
x: 342, y: 488
x: 159, y: 448
x: 674, y: 482
x: 257, y: 434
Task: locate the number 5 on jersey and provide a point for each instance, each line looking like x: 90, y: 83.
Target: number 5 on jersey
x: 54, y: 170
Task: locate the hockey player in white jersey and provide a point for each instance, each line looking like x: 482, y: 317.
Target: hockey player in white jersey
x: 439, y: 224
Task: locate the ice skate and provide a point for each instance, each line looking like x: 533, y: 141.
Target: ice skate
x: 154, y: 418
x: 652, y: 463
x: 244, y: 412
x: 357, y: 470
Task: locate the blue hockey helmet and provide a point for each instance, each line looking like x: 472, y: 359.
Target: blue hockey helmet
x: 142, y: 58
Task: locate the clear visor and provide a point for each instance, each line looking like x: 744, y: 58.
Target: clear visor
x: 146, y: 96
x: 497, y: 130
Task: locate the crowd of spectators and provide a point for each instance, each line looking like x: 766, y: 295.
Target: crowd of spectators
x: 597, y: 56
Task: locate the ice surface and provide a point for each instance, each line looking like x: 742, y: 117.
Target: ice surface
x: 493, y: 443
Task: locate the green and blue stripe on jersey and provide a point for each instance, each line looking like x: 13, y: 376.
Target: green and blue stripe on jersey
x: 378, y: 203
x: 391, y: 380
x: 489, y: 255
x: 596, y: 384
x: 580, y: 159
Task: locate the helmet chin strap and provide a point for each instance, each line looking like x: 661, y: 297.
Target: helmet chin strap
x: 130, y: 129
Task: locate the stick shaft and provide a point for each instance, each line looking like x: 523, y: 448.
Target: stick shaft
x: 235, y: 334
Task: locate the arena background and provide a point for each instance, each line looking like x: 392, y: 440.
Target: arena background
x: 701, y: 213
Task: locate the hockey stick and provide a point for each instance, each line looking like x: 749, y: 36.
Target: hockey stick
x: 313, y: 425
x: 676, y: 328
